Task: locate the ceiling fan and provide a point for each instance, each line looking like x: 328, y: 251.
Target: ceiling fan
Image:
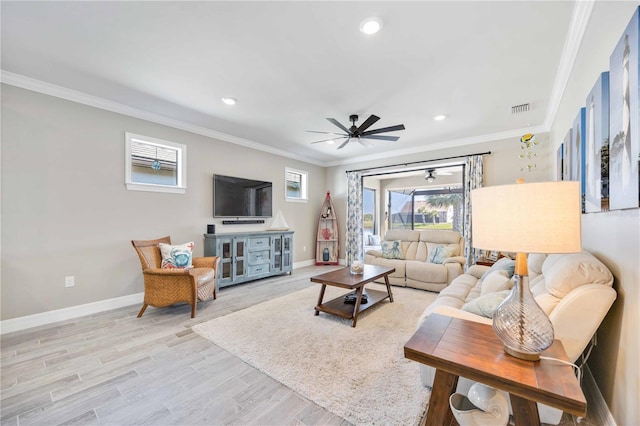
x: 361, y: 134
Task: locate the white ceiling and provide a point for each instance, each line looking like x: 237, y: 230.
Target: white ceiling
x: 292, y: 64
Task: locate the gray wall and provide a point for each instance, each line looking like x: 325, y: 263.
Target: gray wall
x: 66, y: 211
x: 614, y: 237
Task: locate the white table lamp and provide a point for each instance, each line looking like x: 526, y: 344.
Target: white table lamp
x: 541, y: 217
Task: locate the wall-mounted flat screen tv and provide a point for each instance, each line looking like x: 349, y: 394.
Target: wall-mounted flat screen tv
x: 238, y: 197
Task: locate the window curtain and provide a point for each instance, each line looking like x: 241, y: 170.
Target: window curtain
x: 472, y: 180
x: 353, y: 245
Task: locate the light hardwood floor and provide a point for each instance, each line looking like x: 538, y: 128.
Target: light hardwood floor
x: 112, y: 368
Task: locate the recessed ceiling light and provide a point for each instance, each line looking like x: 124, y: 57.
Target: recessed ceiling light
x: 371, y: 25
x: 439, y: 117
x: 331, y: 142
x: 229, y: 101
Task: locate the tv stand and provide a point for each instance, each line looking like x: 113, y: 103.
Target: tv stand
x: 248, y: 256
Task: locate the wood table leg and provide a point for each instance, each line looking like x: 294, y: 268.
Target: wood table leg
x: 525, y: 412
x: 386, y: 281
x: 322, y: 289
x: 356, y: 307
x: 439, y: 412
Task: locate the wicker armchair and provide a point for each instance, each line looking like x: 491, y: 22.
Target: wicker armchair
x: 164, y: 287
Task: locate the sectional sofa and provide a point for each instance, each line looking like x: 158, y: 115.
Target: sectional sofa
x: 575, y: 291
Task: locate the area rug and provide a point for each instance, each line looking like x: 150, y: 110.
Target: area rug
x: 359, y: 374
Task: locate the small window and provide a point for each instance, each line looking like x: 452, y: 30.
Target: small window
x: 155, y: 165
x: 295, y: 185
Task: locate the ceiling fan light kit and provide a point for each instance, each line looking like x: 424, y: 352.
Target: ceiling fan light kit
x: 359, y: 134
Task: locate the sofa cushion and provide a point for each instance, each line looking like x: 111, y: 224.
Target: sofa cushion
x: 534, y: 264
x: 504, y: 264
x: 486, y: 305
x: 426, y: 272
x: 440, y: 236
x: 564, y: 272
x: 496, y: 281
x: 440, y: 253
x: 402, y: 234
x: 398, y: 264
x: 392, y: 249
x: 454, y: 248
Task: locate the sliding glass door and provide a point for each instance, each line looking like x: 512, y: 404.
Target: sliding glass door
x: 426, y: 209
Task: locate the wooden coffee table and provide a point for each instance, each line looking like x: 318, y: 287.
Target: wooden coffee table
x: 456, y: 347
x: 343, y: 278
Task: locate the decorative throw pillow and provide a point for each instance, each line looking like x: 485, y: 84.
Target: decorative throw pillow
x: 504, y: 264
x: 176, y: 256
x: 486, y: 305
x: 374, y: 240
x: 439, y: 254
x: 392, y: 249
x: 496, y: 281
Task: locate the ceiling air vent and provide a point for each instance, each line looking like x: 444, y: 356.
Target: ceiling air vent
x: 517, y: 109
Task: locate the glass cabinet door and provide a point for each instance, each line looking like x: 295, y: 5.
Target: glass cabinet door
x: 240, y: 255
x: 226, y: 257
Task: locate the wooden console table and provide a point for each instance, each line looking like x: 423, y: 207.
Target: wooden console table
x: 457, y: 347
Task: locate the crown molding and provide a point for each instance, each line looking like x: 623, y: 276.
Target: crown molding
x: 579, y: 20
x: 98, y: 102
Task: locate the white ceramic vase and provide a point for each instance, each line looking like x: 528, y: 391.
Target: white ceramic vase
x: 484, y: 406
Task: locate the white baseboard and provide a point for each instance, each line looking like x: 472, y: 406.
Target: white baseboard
x: 35, y: 320
x: 312, y: 262
x: 605, y: 418
x: 44, y: 318
x: 304, y: 263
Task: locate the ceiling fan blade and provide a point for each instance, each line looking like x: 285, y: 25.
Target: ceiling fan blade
x: 327, y: 140
x: 383, y: 130
x: 344, y: 144
x: 383, y: 138
x: 367, y: 123
x: 337, y: 123
x: 326, y: 133
x: 365, y: 143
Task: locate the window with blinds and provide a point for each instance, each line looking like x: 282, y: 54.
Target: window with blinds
x: 155, y: 165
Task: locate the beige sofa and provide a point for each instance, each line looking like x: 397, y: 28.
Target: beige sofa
x: 414, y: 269
x: 575, y: 291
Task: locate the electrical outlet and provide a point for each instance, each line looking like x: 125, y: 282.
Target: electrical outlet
x: 69, y: 281
x: 304, y: 248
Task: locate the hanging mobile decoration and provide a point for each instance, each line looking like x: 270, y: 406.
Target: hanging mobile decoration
x: 528, y: 143
x: 155, y: 164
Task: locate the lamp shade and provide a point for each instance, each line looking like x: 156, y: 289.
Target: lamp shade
x: 541, y: 217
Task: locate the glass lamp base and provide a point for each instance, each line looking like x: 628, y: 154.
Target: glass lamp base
x: 522, y: 326
x: 528, y: 356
